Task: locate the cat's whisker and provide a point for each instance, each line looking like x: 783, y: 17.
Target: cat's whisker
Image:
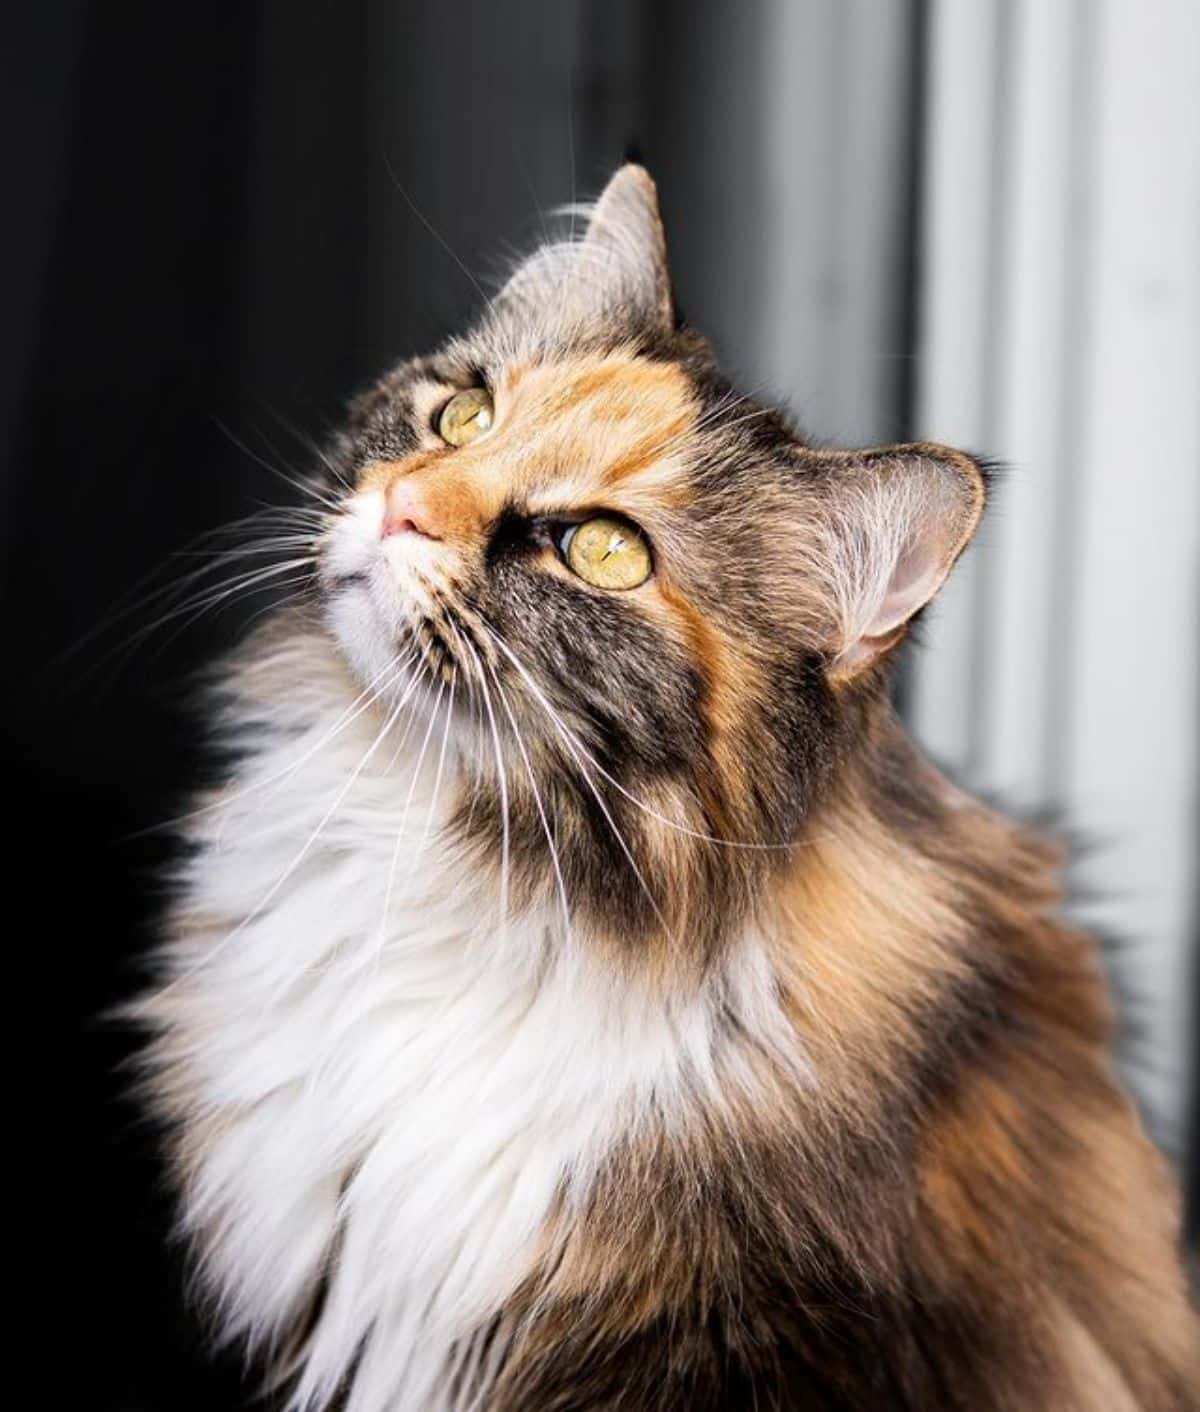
x: 245, y: 551
x: 782, y: 846
x: 427, y: 832
x: 416, y: 774
x: 537, y: 799
x: 297, y: 595
x: 502, y: 781
x: 302, y: 477
x: 310, y: 445
x: 196, y: 607
x: 193, y: 609
x: 567, y: 738
x: 213, y: 563
x: 464, y: 661
x: 310, y: 490
x: 216, y: 594
x: 127, y: 605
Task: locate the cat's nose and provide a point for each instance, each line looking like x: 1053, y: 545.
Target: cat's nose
x: 407, y: 510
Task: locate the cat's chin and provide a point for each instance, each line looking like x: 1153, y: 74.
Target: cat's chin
x: 382, y: 651
x: 378, y: 598
x: 402, y: 662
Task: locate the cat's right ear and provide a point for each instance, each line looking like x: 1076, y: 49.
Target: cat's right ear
x: 890, y: 524
x: 614, y: 273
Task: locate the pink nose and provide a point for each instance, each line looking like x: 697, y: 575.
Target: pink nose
x: 406, y: 511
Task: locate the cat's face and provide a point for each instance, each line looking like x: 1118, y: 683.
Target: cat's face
x: 652, y: 614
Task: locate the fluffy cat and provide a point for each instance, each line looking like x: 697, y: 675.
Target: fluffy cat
x: 582, y: 994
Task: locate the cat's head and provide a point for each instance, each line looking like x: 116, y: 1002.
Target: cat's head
x: 655, y: 617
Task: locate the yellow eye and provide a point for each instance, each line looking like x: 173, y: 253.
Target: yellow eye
x: 608, y: 553
x: 466, y: 417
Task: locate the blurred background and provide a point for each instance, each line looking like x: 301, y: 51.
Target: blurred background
x: 970, y: 220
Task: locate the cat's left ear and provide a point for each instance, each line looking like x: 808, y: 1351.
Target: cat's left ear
x: 896, y: 518
x: 626, y: 240
x: 614, y: 274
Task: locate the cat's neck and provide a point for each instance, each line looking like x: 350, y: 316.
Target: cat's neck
x: 881, y: 892
x: 441, y: 1074
x: 903, y: 901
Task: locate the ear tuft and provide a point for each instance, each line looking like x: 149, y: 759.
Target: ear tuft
x: 901, y: 516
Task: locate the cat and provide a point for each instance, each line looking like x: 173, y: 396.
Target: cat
x: 582, y: 994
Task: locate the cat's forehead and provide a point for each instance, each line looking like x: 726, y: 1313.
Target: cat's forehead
x: 606, y: 428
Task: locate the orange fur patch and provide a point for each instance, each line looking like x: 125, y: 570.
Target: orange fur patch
x: 591, y: 433
x: 865, y: 938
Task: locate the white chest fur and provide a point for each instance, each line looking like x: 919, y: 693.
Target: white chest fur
x: 385, y: 1084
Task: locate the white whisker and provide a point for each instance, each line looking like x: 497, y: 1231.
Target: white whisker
x: 566, y: 736
x: 310, y: 489
x: 537, y: 799
x: 391, y: 877
x: 503, y: 784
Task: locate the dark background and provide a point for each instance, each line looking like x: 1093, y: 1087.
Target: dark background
x: 219, y: 221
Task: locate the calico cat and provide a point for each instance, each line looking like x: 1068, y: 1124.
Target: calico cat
x: 583, y: 995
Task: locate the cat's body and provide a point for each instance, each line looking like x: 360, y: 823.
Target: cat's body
x: 688, y: 1045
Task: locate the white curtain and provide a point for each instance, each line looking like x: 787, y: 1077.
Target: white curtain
x: 1060, y: 331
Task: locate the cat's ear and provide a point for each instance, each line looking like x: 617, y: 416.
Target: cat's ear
x: 613, y: 273
x: 626, y: 233
x: 896, y: 519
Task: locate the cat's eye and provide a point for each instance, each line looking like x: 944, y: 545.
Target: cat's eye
x: 607, y: 553
x: 466, y: 417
